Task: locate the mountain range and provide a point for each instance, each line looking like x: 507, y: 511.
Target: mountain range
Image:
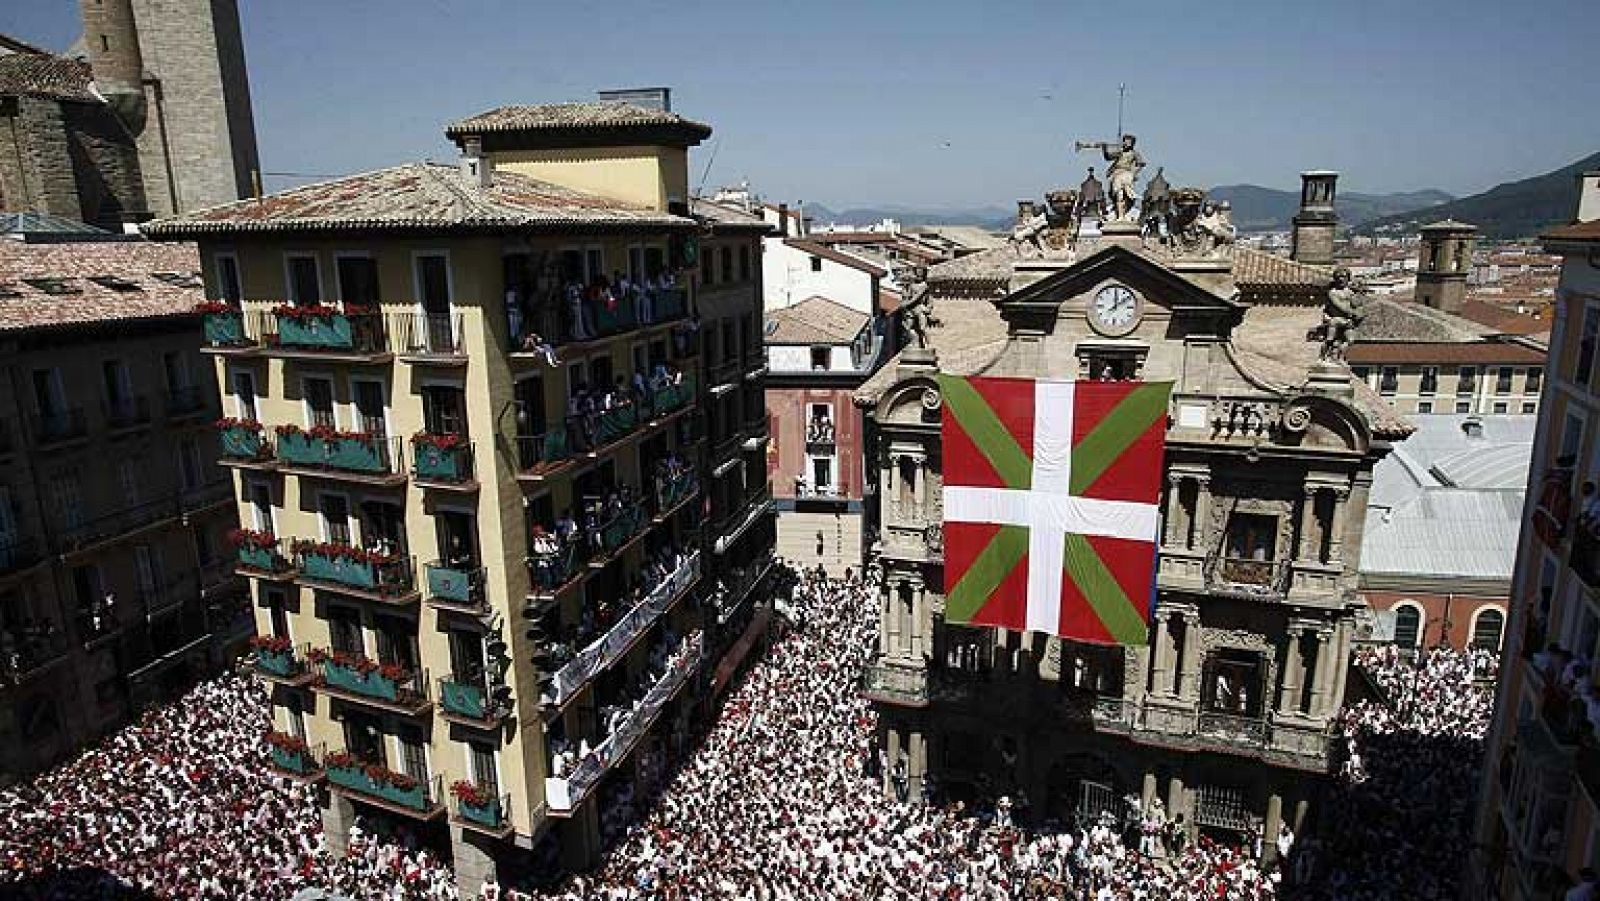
x: 1515, y: 209
x: 1258, y: 209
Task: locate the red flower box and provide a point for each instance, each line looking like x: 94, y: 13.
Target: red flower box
x: 471, y: 793
x: 341, y: 551
x: 228, y: 422
x: 442, y: 442
x: 275, y: 644
x: 286, y: 742
x: 290, y: 311
x: 215, y: 306
x: 242, y: 537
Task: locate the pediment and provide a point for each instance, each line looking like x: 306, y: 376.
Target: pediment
x: 1175, y: 292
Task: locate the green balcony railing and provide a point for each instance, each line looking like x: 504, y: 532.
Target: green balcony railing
x: 243, y: 443
x: 225, y: 329
x: 615, y: 424
x: 491, y: 814
x: 262, y: 559
x: 421, y: 796
x: 432, y: 463
x: 283, y: 664
x: 670, y: 492
x: 552, y: 571
x: 391, y: 575
x: 458, y: 585
x: 614, y: 319
x: 301, y: 762
x: 621, y: 529
x: 539, y: 453
x: 670, y: 303
x: 370, y: 455
x: 672, y: 398
x: 469, y: 699
x: 371, y: 684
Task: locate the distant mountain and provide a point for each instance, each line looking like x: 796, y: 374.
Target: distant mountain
x: 1258, y: 209
x: 1516, y: 209
x: 993, y: 218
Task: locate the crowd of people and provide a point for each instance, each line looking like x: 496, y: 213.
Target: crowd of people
x: 589, y: 309
x: 782, y: 798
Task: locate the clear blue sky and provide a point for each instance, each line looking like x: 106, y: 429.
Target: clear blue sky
x: 945, y: 104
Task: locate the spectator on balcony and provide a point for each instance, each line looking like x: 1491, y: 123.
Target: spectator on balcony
x: 577, y: 313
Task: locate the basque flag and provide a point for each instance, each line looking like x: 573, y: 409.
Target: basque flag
x: 1050, y: 504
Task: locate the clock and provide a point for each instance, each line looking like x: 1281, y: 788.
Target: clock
x: 1115, y: 310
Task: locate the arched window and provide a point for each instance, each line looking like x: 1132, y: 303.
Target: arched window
x: 1407, y: 626
x: 1487, y: 627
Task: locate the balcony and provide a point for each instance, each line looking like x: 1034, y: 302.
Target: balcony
x: 346, y: 456
x: 672, y: 492
x: 612, y: 646
x: 1235, y: 577
x: 1585, y: 558
x: 243, y: 445
x: 895, y: 685
x: 58, y: 427
x: 127, y: 413
x: 611, y: 427
x: 618, y: 532
x: 542, y: 456
x: 26, y: 655
x: 293, y: 758
x: 349, y: 570
x: 566, y: 794
x: 429, y: 338
x: 479, y: 810
x: 735, y: 524
x: 729, y: 597
x: 671, y: 398
x: 262, y: 560
x: 386, y: 686
x: 819, y: 432
x: 184, y: 402
x: 457, y: 587
x: 552, y: 573
x: 277, y: 660
x: 227, y: 331
x: 326, y: 333
x: 116, y: 524
x: 603, y: 313
x: 471, y: 702
x: 723, y: 375
x: 20, y: 554
x: 443, y: 462
x: 375, y: 784
x: 1232, y: 729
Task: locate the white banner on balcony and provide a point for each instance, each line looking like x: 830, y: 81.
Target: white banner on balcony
x: 605, y: 650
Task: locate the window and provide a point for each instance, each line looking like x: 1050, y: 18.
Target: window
x: 128, y: 480
x: 277, y: 613
x: 362, y: 738
x: 1430, y: 380
x: 816, y: 264
x: 594, y: 263
x: 433, y: 284
x: 261, y: 504
x: 443, y: 412
x: 1502, y: 380
x: 1500, y: 407
x: 1535, y: 380
x: 305, y: 283
x: 908, y: 480
x: 175, y: 365
x: 1463, y: 406
x: 1424, y: 406
x: 822, y: 472
x: 189, y: 467
x: 413, y: 755
x: 1529, y: 407
x: 1407, y: 626
x: 1252, y: 536
x: 1232, y: 682
x: 1102, y: 366
x: 244, y: 394
x: 118, y: 385
x: 1467, y: 380
x: 66, y: 497
x: 49, y: 397
x: 1586, y: 344
x: 1389, y: 380
x: 744, y: 262
x: 635, y: 263
x: 819, y: 359
x: 229, y: 286
x: 370, y: 408
x: 483, y: 768
x: 335, y: 512
x: 1486, y: 629
x: 726, y: 256
x: 344, y: 630
x: 706, y: 269
x: 358, y: 280
x: 319, y: 402
x: 297, y: 716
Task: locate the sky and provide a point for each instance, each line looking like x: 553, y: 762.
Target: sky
x: 938, y: 104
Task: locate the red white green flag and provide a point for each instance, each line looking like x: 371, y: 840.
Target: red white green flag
x: 1050, y: 504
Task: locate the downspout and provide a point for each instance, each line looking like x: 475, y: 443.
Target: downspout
x: 166, y: 148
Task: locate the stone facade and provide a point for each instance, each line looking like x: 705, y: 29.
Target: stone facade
x: 1225, y: 714
x: 68, y: 158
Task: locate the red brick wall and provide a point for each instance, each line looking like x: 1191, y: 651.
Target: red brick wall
x: 1460, y: 610
x: 788, y: 410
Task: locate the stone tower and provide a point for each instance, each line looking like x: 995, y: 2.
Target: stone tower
x: 1315, y: 223
x: 174, y: 71
x: 1444, y: 261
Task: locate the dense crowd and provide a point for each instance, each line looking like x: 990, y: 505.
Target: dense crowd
x: 781, y: 799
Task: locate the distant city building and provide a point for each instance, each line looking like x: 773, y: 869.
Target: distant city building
x: 149, y: 114
x: 501, y: 446
x: 1442, y: 523
x: 1538, y: 819
x: 116, y: 581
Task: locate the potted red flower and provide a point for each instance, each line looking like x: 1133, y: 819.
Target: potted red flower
x: 471, y: 793
x: 285, y: 742
x: 444, y: 442
x: 251, y: 538
x: 272, y: 644
x: 228, y: 422
x: 214, y: 306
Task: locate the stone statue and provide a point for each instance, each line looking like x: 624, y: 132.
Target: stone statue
x: 1155, y: 206
x: 916, y: 318
x: 1125, y: 165
x: 1027, y: 236
x: 1215, y: 230
x: 1342, y: 314
x: 1091, y: 198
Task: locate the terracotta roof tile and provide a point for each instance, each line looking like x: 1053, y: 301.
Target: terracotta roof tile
x: 724, y: 216
x: 1488, y: 352
x: 1580, y: 231
x: 815, y: 320
x: 46, y: 75
x: 74, y: 266
x: 418, y: 196
x: 1255, y: 268
x: 547, y: 117
x: 1393, y: 320
x: 843, y: 259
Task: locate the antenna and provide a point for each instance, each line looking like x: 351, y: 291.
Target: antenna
x: 701, y: 189
x: 1122, y: 93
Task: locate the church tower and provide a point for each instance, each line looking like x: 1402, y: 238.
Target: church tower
x: 1316, y: 222
x: 1445, y: 259
x: 174, y: 71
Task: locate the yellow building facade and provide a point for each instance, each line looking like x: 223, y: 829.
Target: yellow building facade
x: 474, y: 427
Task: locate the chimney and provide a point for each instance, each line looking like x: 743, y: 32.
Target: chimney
x: 783, y: 220
x: 1314, y: 225
x: 1445, y: 258
x: 1588, y: 206
x: 475, y: 167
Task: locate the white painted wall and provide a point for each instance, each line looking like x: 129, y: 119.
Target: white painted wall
x: 787, y: 279
x: 797, y: 358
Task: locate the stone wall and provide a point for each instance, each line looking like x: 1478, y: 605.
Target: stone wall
x: 105, y: 166
x: 36, y: 170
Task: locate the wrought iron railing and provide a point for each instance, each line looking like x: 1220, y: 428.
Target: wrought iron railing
x: 428, y: 334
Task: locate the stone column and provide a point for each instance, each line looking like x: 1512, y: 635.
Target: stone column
x: 917, y: 767
x: 1327, y: 669
x: 1269, y: 834
x: 1147, y: 792
x: 919, y: 604
x: 1161, y: 658
x: 1293, y: 665
x: 1176, y: 803
x: 1202, y: 514
x: 1319, y: 685
x: 1336, y: 526
x: 1308, y: 550
x: 1190, y: 690
x: 1169, y: 520
x: 1340, y: 666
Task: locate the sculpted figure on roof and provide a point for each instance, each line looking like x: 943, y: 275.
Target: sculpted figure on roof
x: 1342, y: 313
x: 1125, y: 166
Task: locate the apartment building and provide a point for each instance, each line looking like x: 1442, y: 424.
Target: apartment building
x: 1538, y: 824
x: 115, y: 583
x: 497, y: 433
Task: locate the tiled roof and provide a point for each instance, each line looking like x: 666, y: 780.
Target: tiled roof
x: 73, y: 266
x: 1255, y: 268
x: 1376, y: 353
x: 418, y: 197
x: 888, y: 301
x: 843, y: 259
x: 35, y: 223
x: 548, y: 117
x: 1507, y: 321
x: 45, y: 75
x: 992, y: 266
x: 720, y: 215
x: 1392, y: 320
x: 1581, y: 231
x: 815, y: 320
x: 967, y: 334
x: 970, y: 236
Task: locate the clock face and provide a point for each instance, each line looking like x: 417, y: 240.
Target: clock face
x: 1115, y: 310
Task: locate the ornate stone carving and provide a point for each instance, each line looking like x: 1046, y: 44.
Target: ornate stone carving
x: 1342, y: 313
x: 1242, y: 418
x: 1297, y: 418
x: 1124, y: 166
x: 932, y: 399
